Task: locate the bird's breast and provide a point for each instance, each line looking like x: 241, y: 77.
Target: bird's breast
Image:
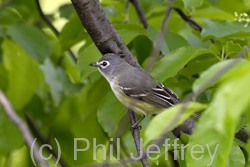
x: 136, y: 105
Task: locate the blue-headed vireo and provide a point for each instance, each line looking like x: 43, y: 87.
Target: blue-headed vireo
x: 134, y: 88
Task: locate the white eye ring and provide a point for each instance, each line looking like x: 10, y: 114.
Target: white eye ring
x: 104, y: 64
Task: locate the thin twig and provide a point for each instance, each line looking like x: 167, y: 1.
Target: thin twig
x: 160, y: 37
x: 191, y: 22
x: 72, y: 55
x: 5, y: 4
x: 47, y: 20
x: 137, y: 139
x: 140, y: 13
x: 164, y: 23
x: 42, y: 139
x: 20, y: 124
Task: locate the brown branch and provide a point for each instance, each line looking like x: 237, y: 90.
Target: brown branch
x: 21, y: 125
x: 101, y: 30
x: 140, y: 13
x: 47, y: 20
x: 191, y: 22
x: 137, y: 139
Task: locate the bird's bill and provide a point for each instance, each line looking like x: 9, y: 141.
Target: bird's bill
x: 94, y: 64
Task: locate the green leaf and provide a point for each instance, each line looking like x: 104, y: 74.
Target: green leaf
x: 110, y: 113
x: 84, y: 123
x: 38, y: 110
x: 89, y: 55
x: 175, y: 40
x: 232, y: 5
x: 23, y: 154
x: 142, y: 45
x: 127, y: 35
x: 4, y: 78
x: 214, y: 13
x: 2, y: 32
x: 23, y: 73
x: 236, y: 157
x: 66, y: 10
x: 160, y: 121
x: 248, y: 150
x: 71, y: 69
x: 220, y: 120
x: 129, y: 31
x: 154, y: 16
x: 56, y: 51
x: 221, y: 29
x: 72, y: 132
x: 192, y: 3
x: 114, y: 10
x: 11, y: 138
x: 72, y: 33
x: 92, y: 94
x: 24, y: 7
x: 197, y: 65
x: 232, y: 48
x: 52, y: 79
x: 68, y: 87
x: 170, y: 64
x: 241, y: 124
x: 184, y: 137
x: 9, y: 16
x: 31, y: 39
x: 239, y: 69
x: 93, y: 133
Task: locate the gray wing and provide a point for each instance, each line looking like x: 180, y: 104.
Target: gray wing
x: 144, y: 87
x: 159, y: 95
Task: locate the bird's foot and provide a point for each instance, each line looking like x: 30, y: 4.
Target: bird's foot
x: 135, y: 126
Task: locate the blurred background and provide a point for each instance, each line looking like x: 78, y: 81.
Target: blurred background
x: 44, y: 72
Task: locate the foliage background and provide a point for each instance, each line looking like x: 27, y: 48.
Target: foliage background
x: 66, y: 99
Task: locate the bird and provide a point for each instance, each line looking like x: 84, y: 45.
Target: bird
x: 135, y: 88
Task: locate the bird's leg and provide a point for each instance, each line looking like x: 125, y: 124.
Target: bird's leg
x: 136, y: 126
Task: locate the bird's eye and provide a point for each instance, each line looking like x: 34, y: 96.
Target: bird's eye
x: 104, y: 63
